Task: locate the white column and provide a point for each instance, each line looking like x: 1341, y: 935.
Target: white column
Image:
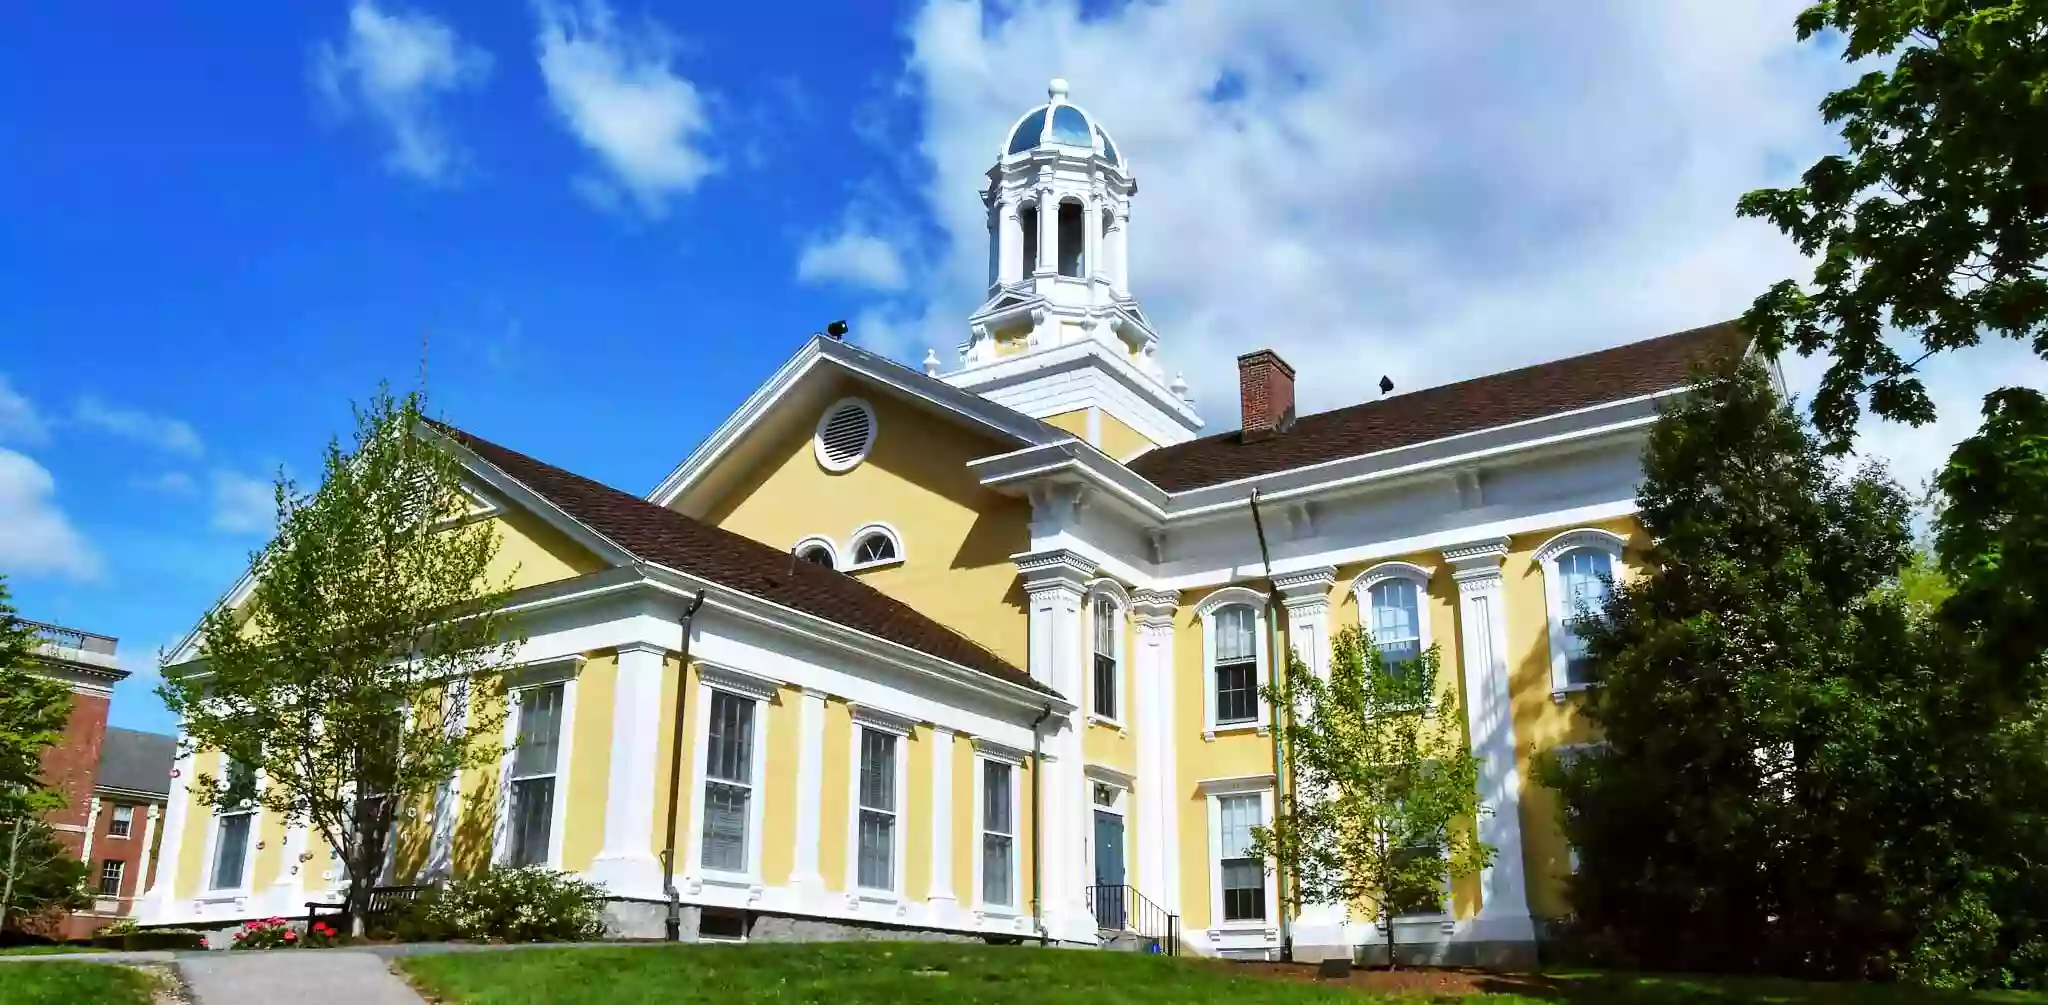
x: 447, y: 800
x: 1321, y: 929
x: 156, y: 901
x: 1489, y: 716
x: 1009, y: 243
x: 1120, y: 251
x: 146, y: 862
x: 1054, y: 580
x: 1048, y: 234
x: 944, y: 905
x: 804, y: 877
x: 626, y: 864
x: 1091, y: 244
x: 1159, y: 827
x: 92, y: 826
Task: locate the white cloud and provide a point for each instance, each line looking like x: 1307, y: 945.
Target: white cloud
x: 243, y: 505
x: 854, y: 257
x: 394, y: 66
x: 1426, y: 191
x: 35, y: 535
x: 160, y: 431
x: 617, y: 94
x: 19, y: 420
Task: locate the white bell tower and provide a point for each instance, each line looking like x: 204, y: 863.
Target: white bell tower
x: 1059, y: 336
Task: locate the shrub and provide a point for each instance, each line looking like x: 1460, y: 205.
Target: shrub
x: 526, y: 904
x: 320, y: 936
x: 267, y: 933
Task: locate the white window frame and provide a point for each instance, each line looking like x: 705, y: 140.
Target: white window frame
x: 818, y: 541
x: 1105, y: 590
x: 255, y: 814
x: 991, y: 753
x: 127, y: 823
x: 867, y: 446
x: 99, y: 885
x: 1553, y: 595
x: 868, y: 719
x: 1420, y: 575
x: 1231, y: 596
x: 854, y: 564
x: 762, y: 691
x: 566, y: 671
x: 1213, y: 792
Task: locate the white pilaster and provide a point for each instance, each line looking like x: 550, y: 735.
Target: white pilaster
x: 288, y: 891
x: 804, y: 877
x: 1010, y: 241
x: 944, y: 904
x: 156, y: 901
x: 92, y: 826
x: 1120, y: 251
x: 1159, y: 865
x: 1306, y: 595
x: 1055, y: 580
x: 145, y: 863
x: 1091, y: 244
x: 1048, y: 234
x: 626, y: 864
x: 1489, y: 714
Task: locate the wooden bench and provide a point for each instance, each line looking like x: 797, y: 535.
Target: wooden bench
x: 384, y: 902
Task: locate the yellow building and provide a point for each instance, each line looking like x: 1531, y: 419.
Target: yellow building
x: 978, y: 652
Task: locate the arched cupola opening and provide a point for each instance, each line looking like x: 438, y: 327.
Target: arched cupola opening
x: 1073, y: 238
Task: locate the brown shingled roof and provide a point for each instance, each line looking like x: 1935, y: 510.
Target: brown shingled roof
x: 665, y: 537
x: 1532, y: 392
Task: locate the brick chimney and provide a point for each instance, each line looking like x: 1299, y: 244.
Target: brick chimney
x: 1265, y: 387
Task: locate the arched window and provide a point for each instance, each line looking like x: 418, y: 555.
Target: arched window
x: 1073, y: 238
x: 1234, y: 649
x: 1106, y: 605
x: 1393, y: 609
x: 818, y: 551
x: 1580, y: 568
x: 876, y: 544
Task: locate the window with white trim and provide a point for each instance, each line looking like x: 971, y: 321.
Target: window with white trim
x: 122, y: 822
x: 110, y: 876
x: 729, y: 782
x: 1396, y: 612
x: 536, y: 757
x: 1585, y: 578
x: 1105, y: 678
x: 1242, y: 875
x: 817, y: 551
x: 998, y: 834
x: 234, y: 818
x: 1236, y: 670
x: 846, y: 432
x: 876, y: 829
x: 874, y: 548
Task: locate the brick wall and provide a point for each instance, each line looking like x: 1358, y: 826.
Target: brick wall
x: 69, y: 766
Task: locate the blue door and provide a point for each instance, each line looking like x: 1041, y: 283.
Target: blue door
x: 1109, y: 871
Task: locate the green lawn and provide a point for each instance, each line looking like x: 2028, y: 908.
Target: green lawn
x: 72, y: 983
x: 47, y: 950
x: 933, y: 974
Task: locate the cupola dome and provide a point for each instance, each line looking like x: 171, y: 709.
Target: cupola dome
x: 1059, y: 124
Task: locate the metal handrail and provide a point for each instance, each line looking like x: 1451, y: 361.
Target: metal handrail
x: 1120, y: 908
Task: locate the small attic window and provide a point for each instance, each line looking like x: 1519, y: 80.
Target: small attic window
x: 845, y: 434
x: 817, y: 551
x: 876, y: 544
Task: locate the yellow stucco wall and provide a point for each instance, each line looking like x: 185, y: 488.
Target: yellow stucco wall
x: 531, y: 552
x: 665, y: 736
x: 191, y: 865
x: 590, y: 755
x: 778, y: 814
x: 917, y: 814
x: 1075, y: 422
x: 1120, y: 441
x: 957, y: 536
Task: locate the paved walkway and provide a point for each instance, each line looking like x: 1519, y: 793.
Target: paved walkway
x: 338, y: 975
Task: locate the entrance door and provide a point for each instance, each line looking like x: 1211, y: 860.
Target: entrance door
x: 1109, y: 871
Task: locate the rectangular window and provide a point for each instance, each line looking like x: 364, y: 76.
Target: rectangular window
x: 1244, y: 876
x: 877, y: 866
x: 123, y: 822
x: 536, y: 752
x: 998, y: 836
x: 1419, y: 898
x: 728, y: 781
x: 110, y: 877
x: 1588, y: 577
x: 1237, y: 665
x: 1396, y: 623
x: 235, y: 816
x: 1105, y: 658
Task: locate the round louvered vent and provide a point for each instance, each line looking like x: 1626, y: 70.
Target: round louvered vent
x: 845, y: 432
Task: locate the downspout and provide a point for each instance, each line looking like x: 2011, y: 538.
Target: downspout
x: 1037, y: 857
x: 672, y: 926
x: 1276, y: 652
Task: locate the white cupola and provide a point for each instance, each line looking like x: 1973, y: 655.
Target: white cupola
x: 1059, y: 330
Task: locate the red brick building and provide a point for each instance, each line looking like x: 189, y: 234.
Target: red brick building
x: 114, y: 781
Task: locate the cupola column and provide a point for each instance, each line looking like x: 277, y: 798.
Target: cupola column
x: 1119, y: 250
x: 1091, y: 248
x: 1010, y: 241
x: 1048, y: 233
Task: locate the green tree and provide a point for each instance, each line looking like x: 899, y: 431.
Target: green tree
x: 1384, y: 792
x: 346, y: 683
x: 1992, y: 537
x: 1935, y: 220
x: 33, y: 711
x: 1736, y: 813
x: 39, y: 877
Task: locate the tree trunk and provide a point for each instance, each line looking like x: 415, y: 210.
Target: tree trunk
x: 13, y: 862
x: 1387, y: 925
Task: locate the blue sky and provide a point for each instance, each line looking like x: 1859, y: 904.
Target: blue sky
x: 608, y: 224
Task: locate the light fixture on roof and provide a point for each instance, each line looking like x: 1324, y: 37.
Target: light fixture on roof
x: 1386, y: 384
